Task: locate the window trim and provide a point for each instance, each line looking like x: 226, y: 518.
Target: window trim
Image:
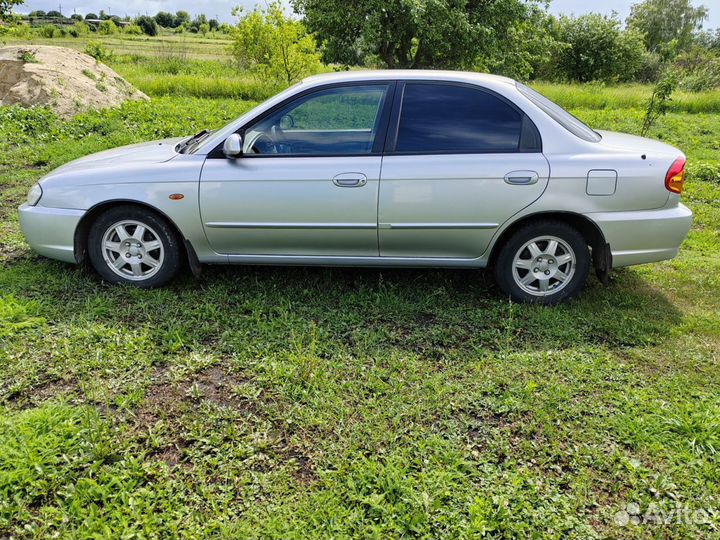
x: 380, y: 136
x: 394, y: 128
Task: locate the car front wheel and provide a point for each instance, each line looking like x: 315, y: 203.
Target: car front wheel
x: 543, y: 262
x: 128, y: 244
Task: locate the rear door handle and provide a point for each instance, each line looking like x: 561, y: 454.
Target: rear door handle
x: 521, y: 178
x: 350, y: 180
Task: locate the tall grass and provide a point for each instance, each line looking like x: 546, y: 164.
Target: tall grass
x: 214, y: 87
x: 625, y: 96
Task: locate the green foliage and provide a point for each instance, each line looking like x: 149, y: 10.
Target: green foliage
x: 529, y: 45
x: 663, y: 22
x: 596, y: 48
x: 181, y: 18
x: 704, y: 171
x: 49, y: 31
x: 410, y: 34
x: 708, y: 39
x: 79, y: 29
x: 274, y: 46
x: 148, y: 24
x: 165, y: 19
x: 6, y: 8
x: 28, y: 57
x: 107, y: 28
x: 698, y: 69
x: 98, y: 51
x: 659, y: 102
x: 133, y: 30
x: 16, y: 31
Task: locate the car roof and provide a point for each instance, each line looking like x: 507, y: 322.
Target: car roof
x: 391, y: 74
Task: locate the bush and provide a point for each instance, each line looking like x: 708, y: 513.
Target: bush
x: 148, y: 24
x: 651, y: 68
x: 133, y: 30
x: 597, y: 49
x: 107, y: 27
x: 699, y: 69
x: 19, y: 31
x: 79, y: 29
x: 49, y: 31
x: 98, y: 51
x: 274, y: 47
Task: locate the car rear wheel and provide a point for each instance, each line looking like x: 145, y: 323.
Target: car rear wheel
x: 128, y: 244
x: 543, y: 262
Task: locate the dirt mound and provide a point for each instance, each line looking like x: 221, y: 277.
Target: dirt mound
x: 66, y: 80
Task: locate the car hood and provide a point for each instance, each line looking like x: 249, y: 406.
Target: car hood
x: 147, y: 152
x: 633, y: 143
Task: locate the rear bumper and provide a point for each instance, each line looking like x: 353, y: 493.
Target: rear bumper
x: 644, y: 236
x: 51, y: 231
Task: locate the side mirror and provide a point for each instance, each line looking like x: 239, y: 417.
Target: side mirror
x: 232, y: 147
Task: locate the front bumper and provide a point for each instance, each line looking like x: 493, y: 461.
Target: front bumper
x: 644, y: 236
x: 51, y: 231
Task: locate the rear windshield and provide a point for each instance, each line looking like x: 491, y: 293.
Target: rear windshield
x: 560, y: 115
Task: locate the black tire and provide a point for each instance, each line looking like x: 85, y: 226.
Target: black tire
x: 507, y: 276
x: 158, y: 232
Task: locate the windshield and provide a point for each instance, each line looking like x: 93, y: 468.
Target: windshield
x: 560, y: 115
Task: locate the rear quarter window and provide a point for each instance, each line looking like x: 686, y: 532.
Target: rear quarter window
x: 560, y: 115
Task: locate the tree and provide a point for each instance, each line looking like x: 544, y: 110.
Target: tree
x: 214, y: 24
x: 529, y: 45
x: 91, y: 16
x: 165, y: 19
x: 664, y: 21
x: 412, y: 34
x: 76, y: 17
x: 709, y: 39
x: 38, y: 14
x: 148, y: 24
x: 181, y: 18
x: 273, y: 46
x: 107, y: 27
x: 596, y: 48
x: 54, y: 15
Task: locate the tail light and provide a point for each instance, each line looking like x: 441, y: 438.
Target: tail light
x: 675, y: 176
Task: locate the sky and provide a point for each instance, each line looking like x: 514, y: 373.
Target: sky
x: 221, y: 8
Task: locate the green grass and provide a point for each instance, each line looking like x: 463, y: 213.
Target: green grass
x: 348, y: 403
x: 624, y: 96
x: 193, y: 46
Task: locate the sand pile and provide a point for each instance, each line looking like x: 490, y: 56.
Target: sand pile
x: 67, y: 80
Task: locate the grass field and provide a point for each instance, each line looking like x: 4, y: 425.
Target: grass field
x: 345, y: 403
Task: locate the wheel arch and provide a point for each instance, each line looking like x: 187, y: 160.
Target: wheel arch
x: 82, y: 230
x: 584, y: 225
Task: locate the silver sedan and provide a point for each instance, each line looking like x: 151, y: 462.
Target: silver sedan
x: 386, y: 168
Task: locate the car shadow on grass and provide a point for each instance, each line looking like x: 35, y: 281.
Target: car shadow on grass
x: 423, y: 310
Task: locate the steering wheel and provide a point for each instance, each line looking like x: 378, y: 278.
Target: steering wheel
x: 264, y: 144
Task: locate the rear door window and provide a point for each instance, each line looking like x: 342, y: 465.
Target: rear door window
x: 446, y: 118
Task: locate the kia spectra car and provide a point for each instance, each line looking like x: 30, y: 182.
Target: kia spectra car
x: 384, y: 169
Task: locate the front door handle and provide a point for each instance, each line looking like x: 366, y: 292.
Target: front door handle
x: 521, y: 178
x: 350, y: 180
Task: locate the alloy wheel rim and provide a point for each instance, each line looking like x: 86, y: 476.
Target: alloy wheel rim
x: 544, y: 266
x: 133, y: 250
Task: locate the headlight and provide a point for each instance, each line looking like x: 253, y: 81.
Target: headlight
x: 34, y: 195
